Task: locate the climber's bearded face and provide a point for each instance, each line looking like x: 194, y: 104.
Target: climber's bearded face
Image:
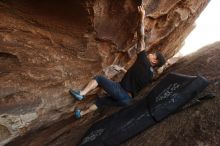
x: 153, y: 59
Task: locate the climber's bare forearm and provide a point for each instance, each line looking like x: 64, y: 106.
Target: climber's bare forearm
x: 140, y: 31
x: 141, y: 43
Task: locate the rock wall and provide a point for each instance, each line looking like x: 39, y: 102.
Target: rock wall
x: 48, y: 47
x: 196, y: 126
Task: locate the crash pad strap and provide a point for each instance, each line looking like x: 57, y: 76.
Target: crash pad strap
x: 150, y: 113
x: 196, y: 101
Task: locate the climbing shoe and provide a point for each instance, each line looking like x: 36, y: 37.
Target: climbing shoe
x: 77, y: 113
x: 76, y: 94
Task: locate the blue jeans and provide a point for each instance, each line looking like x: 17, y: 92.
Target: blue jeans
x: 118, y: 96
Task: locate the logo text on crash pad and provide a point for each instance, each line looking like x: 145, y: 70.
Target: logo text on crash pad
x: 166, y: 93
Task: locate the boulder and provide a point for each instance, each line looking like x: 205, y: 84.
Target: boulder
x: 48, y: 47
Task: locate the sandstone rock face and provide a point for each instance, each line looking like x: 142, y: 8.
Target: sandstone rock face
x: 47, y: 47
x: 198, y: 125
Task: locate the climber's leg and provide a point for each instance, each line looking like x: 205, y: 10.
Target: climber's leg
x: 91, y: 108
x: 114, y: 89
x: 79, y: 113
x: 90, y: 86
x: 79, y: 95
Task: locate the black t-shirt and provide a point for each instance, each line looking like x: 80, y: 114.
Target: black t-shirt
x: 139, y: 75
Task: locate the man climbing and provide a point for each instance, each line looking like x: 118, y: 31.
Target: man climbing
x: 135, y: 79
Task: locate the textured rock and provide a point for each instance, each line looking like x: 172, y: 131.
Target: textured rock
x: 47, y: 47
x: 198, y: 125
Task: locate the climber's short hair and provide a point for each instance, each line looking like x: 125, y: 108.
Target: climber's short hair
x: 160, y: 58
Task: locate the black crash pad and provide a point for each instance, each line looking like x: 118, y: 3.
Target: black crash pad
x: 167, y: 97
